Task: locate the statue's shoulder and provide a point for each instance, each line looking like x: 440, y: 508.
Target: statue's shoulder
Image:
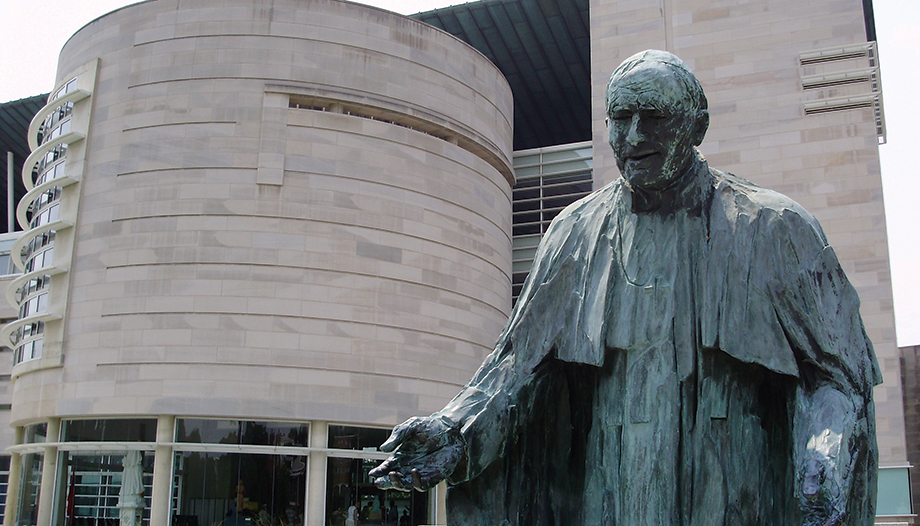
x: 756, y: 201
x: 597, y: 202
x: 764, y: 214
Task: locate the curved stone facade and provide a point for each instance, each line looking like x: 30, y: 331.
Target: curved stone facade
x: 257, y: 236
x: 298, y: 211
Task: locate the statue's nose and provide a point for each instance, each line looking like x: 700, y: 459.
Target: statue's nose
x: 634, y: 135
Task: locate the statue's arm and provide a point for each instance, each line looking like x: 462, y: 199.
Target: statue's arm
x: 830, y: 432
x: 834, y: 449
x: 483, y: 410
x: 459, y: 441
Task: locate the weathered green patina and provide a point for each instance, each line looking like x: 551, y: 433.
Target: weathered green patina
x: 686, y: 351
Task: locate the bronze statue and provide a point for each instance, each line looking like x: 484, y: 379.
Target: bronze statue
x: 686, y: 351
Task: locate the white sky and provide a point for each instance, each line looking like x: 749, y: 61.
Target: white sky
x: 32, y: 33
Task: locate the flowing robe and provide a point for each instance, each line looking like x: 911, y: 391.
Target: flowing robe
x: 672, y: 359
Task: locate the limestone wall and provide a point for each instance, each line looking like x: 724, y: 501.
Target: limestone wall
x: 297, y: 210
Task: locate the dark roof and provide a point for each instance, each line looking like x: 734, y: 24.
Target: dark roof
x: 15, y: 117
x: 543, y: 49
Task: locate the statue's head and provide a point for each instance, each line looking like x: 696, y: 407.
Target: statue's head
x: 656, y: 116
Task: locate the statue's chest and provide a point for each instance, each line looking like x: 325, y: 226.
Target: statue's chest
x: 651, y: 282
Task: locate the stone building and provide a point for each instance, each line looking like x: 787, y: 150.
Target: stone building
x: 260, y: 235
x: 910, y: 372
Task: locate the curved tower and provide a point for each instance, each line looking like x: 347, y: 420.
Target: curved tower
x: 258, y: 236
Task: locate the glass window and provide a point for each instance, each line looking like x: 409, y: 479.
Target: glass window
x: 547, y: 182
x: 205, y: 431
x: 893, y: 492
x: 35, y: 434
x: 28, y: 330
x: 40, y: 260
x: 4, y: 483
x: 360, y: 438
x: 94, y: 482
x: 31, y: 349
x: 524, y: 160
x: 34, y: 305
x: 29, y: 488
x: 35, y: 349
x: 229, y: 488
x: 347, y: 483
x: 114, y: 430
x: 234, y: 489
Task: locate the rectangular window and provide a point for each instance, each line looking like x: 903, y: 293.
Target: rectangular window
x: 222, y: 486
x: 234, y: 489
x: 348, y: 484
x: 30, y: 483
x: 94, y: 483
x: 205, y: 431
x: 115, y: 430
x: 893, y: 492
x: 548, y: 180
x: 4, y: 484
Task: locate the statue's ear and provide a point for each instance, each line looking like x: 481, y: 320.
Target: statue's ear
x: 700, y: 127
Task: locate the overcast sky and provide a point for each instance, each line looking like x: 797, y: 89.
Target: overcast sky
x: 32, y: 33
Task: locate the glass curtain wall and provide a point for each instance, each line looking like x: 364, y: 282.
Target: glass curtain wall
x: 31, y: 475
x: 94, y: 482
x: 4, y: 484
x: 93, y: 479
x: 347, y: 484
x: 235, y: 472
x: 548, y: 180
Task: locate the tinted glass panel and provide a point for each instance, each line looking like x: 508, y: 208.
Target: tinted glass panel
x: 127, y: 430
x: 232, y: 489
x: 348, y: 484
x: 360, y: 438
x: 893, y: 492
x: 93, y: 485
x: 30, y: 483
x: 35, y: 434
x: 206, y: 431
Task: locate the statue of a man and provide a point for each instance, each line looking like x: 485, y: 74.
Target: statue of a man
x: 131, y: 493
x: 686, y: 351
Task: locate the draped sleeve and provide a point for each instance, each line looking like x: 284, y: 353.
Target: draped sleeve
x: 559, y: 313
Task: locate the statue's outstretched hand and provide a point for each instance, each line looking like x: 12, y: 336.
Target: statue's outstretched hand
x: 425, y: 451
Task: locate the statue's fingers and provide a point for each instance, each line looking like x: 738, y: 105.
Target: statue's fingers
x: 391, y: 480
x: 417, y: 482
x: 383, y: 469
x: 383, y: 482
x: 398, y: 436
x: 425, y: 479
x: 400, y: 482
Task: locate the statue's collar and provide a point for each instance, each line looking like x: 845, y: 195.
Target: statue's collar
x: 689, y: 193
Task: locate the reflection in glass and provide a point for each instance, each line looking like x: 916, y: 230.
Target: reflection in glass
x: 347, y: 483
x: 92, y: 485
x: 30, y: 483
x: 205, y: 431
x: 113, y: 430
x: 239, y: 489
x: 4, y: 483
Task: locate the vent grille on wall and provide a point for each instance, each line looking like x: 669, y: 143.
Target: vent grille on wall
x: 843, y: 79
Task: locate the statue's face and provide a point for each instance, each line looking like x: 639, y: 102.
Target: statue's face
x: 652, y: 127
